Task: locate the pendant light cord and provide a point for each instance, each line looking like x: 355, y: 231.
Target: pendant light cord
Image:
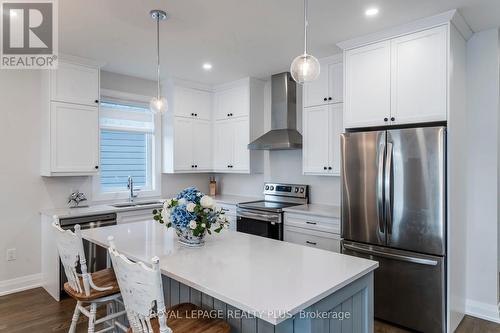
x: 158, y: 55
x: 306, y: 23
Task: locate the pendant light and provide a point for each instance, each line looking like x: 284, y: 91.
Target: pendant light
x: 158, y: 103
x: 305, y: 67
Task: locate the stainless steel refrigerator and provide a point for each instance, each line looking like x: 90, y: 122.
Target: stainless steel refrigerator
x: 394, y: 212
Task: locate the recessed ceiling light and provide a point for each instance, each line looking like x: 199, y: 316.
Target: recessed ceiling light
x: 207, y: 66
x: 373, y: 11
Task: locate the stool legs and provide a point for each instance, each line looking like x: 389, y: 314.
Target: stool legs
x: 92, y: 317
x: 74, y: 320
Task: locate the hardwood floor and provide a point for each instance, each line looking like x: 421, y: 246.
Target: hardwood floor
x: 34, y: 311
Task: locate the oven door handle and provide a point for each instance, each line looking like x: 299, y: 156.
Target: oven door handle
x: 257, y: 216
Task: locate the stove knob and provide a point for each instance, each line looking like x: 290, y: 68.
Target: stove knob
x: 301, y: 190
x: 296, y: 190
x: 272, y: 188
x: 267, y: 187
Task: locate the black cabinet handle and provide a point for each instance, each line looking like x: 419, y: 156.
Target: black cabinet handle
x: 312, y: 243
x: 192, y: 114
x: 96, y: 167
x: 196, y: 115
x: 325, y: 99
x: 329, y: 98
x: 309, y: 222
x: 386, y: 119
x: 324, y: 168
x: 329, y: 168
x: 392, y: 118
x: 96, y: 101
x: 195, y: 166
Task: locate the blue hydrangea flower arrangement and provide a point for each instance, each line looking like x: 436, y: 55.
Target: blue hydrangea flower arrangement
x: 193, y: 214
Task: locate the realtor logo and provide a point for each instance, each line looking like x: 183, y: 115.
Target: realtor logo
x: 29, y: 34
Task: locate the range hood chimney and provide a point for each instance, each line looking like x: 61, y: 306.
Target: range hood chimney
x: 283, y: 134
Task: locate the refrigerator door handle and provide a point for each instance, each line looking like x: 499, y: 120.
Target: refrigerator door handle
x: 388, y: 187
x: 399, y: 257
x: 380, y: 188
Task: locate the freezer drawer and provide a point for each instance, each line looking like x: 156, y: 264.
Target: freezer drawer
x: 409, y: 287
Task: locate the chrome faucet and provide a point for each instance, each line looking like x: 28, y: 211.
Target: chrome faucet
x: 130, y: 186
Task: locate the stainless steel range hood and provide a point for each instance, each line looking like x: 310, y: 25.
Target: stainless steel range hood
x: 283, y: 134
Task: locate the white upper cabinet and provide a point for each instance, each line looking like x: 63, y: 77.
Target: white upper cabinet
x: 322, y: 126
x: 402, y: 80
x: 232, y: 102
x: 368, y: 85
x: 183, y: 147
x: 70, y: 120
x: 190, y: 102
x: 223, y: 144
x: 74, y: 83
x: 192, y: 145
x: 328, y: 87
x: 74, y: 138
x: 419, y: 77
x: 202, y: 145
x: 315, y: 139
x: 241, y: 138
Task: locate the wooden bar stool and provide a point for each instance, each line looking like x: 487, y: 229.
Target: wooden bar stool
x: 142, y: 292
x: 89, y: 290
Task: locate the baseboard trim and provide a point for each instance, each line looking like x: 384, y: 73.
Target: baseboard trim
x: 483, y: 311
x: 20, y: 284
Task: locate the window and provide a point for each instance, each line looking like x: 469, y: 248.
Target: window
x: 128, y: 148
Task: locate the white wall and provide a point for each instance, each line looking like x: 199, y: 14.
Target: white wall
x: 282, y: 166
x: 481, y: 156
x: 24, y: 192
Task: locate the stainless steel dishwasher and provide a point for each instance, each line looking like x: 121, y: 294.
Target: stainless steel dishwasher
x: 97, y: 257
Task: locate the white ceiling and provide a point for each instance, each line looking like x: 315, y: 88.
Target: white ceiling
x: 239, y: 37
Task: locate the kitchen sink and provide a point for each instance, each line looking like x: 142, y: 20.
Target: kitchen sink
x: 146, y: 203
x: 136, y: 204
x: 123, y: 205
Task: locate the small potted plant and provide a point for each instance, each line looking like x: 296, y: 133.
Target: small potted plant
x: 193, y: 214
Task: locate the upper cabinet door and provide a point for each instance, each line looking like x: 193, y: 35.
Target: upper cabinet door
x: 183, y: 148
x: 190, y: 102
x: 316, y: 140
x: 316, y: 92
x: 202, y: 145
x: 419, y: 77
x: 74, y: 137
x: 241, y: 154
x: 336, y: 83
x: 336, y: 128
x: 223, y: 145
x: 368, y: 85
x: 232, y: 102
x: 76, y: 84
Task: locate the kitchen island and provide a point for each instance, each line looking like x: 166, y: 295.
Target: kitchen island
x: 256, y: 284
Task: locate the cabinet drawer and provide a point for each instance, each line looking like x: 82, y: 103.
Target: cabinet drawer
x: 312, y: 238
x: 317, y: 223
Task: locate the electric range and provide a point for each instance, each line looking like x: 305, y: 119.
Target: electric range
x: 265, y: 217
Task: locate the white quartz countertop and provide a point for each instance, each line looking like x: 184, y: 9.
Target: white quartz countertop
x: 230, y: 199
x: 67, y: 212
x: 259, y: 275
x: 315, y: 209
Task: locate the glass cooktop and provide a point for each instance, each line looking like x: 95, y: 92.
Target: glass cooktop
x: 267, y: 205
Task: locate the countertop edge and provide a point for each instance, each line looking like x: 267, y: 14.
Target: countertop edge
x: 315, y: 210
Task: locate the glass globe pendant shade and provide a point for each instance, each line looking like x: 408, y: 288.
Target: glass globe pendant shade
x: 158, y: 105
x: 305, y: 68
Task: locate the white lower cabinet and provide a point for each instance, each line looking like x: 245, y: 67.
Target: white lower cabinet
x: 313, y: 231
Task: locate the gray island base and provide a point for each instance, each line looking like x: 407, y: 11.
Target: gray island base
x: 349, y: 310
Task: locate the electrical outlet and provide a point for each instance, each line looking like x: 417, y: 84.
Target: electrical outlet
x: 11, y: 254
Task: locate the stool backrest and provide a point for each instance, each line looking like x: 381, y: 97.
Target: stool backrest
x: 142, y: 291
x: 70, y: 248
